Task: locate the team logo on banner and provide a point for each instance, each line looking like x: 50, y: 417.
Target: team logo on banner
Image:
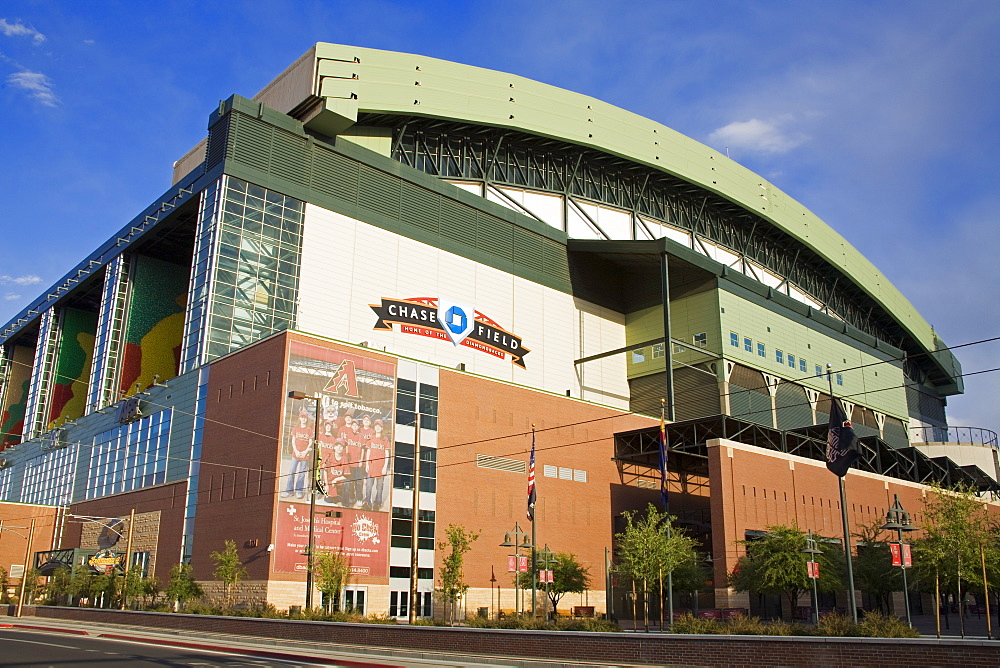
x: 439, y: 318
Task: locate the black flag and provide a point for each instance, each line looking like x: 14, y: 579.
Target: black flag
x: 841, y: 441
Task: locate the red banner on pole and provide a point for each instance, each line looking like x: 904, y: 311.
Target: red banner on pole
x: 522, y: 564
x: 511, y: 563
x: 907, y: 556
x: 813, y: 569
x: 897, y: 554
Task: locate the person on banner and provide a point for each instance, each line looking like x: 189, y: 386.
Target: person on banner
x: 376, y: 466
x: 336, y: 471
x: 300, y: 440
x: 327, y: 437
x: 356, y: 456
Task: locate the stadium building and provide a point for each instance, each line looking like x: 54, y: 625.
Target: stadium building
x: 389, y: 236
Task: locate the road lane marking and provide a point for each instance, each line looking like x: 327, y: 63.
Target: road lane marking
x: 47, y: 644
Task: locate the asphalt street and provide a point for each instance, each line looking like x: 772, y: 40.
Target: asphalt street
x: 24, y: 649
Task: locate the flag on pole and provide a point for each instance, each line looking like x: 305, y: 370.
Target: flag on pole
x: 531, y: 479
x: 841, y: 441
x: 664, y: 498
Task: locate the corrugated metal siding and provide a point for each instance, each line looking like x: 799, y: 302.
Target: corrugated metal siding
x: 895, y: 433
x: 792, y: 406
x: 274, y: 151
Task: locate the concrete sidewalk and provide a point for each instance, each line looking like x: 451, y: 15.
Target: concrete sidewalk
x: 286, y: 650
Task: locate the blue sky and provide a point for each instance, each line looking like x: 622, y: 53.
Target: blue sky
x: 881, y: 117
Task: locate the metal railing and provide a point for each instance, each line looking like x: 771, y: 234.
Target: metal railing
x: 971, y: 435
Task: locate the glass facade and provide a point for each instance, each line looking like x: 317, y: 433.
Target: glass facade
x: 244, y: 282
x: 41, y: 374
x: 407, y: 392
x: 5, y: 476
x: 107, y: 348
x: 129, y: 457
x: 48, y: 478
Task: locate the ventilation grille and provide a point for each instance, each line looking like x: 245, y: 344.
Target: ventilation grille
x: 564, y: 473
x: 647, y: 484
x: 500, y: 464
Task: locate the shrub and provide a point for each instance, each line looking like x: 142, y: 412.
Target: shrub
x: 878, y: 625
x: 747, y: 626
x: 837, y: 625
x: 688, y: 623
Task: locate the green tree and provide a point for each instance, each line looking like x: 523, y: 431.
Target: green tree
x: 182, y: 586
x: 569, y: 576
x: 32, y: 586
x: 4, y: 583
x: 776, y: 564
x: 332, y: 572
x: 103, y: 589
x: 874, y: 573
x: 458, y: 541
x: 58, y: 586
x: 948, y: 557
x: 228, y: 569
x: 651, y: 549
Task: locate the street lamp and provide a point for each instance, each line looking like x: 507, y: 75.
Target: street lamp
x: 546, y: 557
x: 313, y: 481
x: 27, y: 555
x: 813, y: 566
x: 518, y: 545
x: 898, y: 520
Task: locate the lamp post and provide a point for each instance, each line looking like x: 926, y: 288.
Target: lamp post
x: 518, y: 545
x: 546, y: 557
x: 813, y: 567
x: 313, y: 481
x: 898, y: 520
x: 27, y: 555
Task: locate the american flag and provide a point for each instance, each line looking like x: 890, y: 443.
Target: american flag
x: 531, y: 480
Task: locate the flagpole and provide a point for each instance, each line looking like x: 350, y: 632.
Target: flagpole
x: 531, y: 516
x: 665, y: 498
x: 843, y: 518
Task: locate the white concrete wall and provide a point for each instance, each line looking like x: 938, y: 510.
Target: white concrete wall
x: 347, y: 265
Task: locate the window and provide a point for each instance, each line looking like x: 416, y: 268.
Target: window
x: 819, y: 370
x: 402, y: 529
x: 354, y: 600
x: 761, y: 350
x: 701, y: 340
x: 402, y: 468
x: 404, y: 573
x: 407, y: 392
x: 840, y: 379
x: 748, y: 345
x: 803, y: 367
x: 48, y: 478
x: 129, y: 457
x: 791, y: 360
x: 779, y: 357
x: 734, y: 339
x: 398, y: 601
x: 658, y: 350
x: 638, y: 355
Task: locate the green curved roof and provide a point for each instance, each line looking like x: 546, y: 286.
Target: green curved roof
x: 331, y: 84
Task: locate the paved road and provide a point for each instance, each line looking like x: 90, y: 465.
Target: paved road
x: 24, y: 649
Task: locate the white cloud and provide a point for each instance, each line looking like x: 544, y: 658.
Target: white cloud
x: 18, y: 29
x: 37, y: 85
x: 756, y: 135
x: 11, y: 297
x: 27, y: 279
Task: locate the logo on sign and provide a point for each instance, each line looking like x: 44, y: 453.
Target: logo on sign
x: 440, y: 318
x: 365, y: 529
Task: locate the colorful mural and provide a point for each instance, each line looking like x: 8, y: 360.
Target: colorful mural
x: 72, y: 368
x: 155, y: 324
x: 16, y: 401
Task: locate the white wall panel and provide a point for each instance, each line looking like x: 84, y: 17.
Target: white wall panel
x: 347, y: 265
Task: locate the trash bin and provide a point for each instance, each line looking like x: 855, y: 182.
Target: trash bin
x: 484, y: 613
x: 294, y: 609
